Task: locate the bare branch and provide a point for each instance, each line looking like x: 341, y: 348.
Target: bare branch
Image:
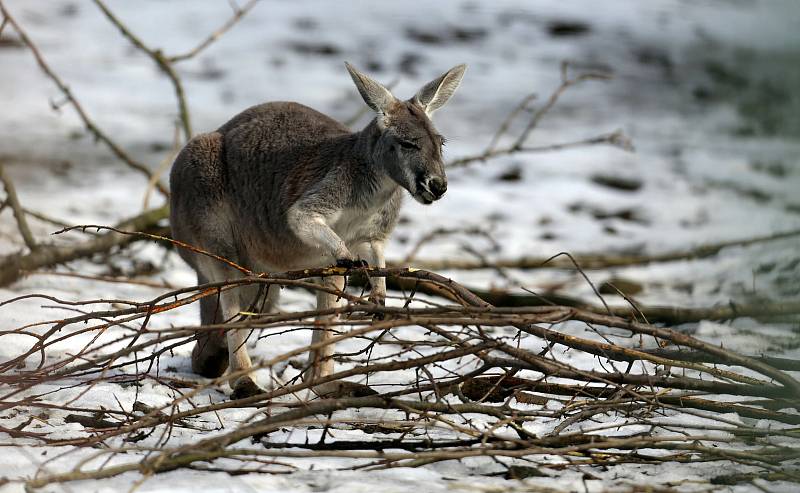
x: 16, y: 207
x: 163, y: 63
x: 616, y: 138
x: 14, y: 266
x: 238, y: 13
x: 586, y: 261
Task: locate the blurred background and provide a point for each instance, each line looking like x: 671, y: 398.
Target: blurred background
x: 708, y: 93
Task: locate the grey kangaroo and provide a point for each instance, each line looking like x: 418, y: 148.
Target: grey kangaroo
x: 282, y: 186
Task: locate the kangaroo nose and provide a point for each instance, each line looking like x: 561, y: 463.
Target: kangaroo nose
x: 438, y: 186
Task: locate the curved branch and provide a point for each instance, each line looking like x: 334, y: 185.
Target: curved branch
x: 163, y: 63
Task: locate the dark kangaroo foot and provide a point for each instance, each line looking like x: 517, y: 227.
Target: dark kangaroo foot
x: 245, y: 387
x: 342, y: 388
x: 210, y: 354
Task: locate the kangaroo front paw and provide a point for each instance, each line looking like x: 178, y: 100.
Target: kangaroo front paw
x: 245, y: 387
x: 349, y: 263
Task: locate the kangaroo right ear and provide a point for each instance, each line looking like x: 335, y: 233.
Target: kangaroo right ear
x: 375, y: 95
x: 437, y: 92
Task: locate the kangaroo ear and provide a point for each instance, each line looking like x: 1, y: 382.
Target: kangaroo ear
x: 437, y: 92
x: 375, y: 95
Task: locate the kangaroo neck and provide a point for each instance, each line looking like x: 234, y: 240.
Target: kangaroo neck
x: 366, y: 143
x: 374, y: 183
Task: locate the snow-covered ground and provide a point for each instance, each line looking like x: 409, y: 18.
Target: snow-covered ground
x: 708, y: 91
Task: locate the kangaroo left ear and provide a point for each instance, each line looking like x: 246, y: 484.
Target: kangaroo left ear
x: 374, y: 94
x: 437, y: 92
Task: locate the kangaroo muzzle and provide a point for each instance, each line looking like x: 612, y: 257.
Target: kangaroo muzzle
x: 430, y: 189
x: 437, y: 186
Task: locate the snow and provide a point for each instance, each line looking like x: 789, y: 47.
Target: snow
x: 712, y: 169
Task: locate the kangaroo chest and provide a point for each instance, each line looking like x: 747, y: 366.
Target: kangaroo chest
x: 363, y: 222
x: 357, y: 224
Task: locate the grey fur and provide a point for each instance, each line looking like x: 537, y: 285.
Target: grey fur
x: 281, y: 186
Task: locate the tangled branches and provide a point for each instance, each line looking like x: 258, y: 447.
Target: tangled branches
x: 561, y: 386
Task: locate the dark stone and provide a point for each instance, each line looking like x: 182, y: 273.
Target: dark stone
x: 564, y: 28
x: 513, y: 173
x: 618, y: 182
x: 408, y: 63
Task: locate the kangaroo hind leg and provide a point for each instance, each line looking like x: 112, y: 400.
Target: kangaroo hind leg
x: 210, y: 352
x: 232, y: 300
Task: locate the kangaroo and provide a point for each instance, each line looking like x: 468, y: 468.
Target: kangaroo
x: 281, y: 187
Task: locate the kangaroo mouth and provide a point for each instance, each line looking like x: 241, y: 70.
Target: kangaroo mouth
x: 424, y: 196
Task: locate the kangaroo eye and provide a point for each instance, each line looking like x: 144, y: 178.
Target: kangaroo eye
x: 408, y: 145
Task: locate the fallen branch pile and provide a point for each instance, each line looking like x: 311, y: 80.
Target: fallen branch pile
x: 559, y: 387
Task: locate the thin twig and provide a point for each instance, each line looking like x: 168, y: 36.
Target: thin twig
x: 161, y: 61
x: 616, y: 138
x: 594, y: 260
x: 238, y: 13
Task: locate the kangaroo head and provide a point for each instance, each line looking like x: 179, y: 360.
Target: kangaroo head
x: 408, y: 145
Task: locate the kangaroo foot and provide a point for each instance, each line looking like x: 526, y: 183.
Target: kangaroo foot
x: 245, y: 387
x: 210, y: 356
x: 342, y: 388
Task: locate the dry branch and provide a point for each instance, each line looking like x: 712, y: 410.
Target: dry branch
x: 14, y: 266
x: 458, y: 332
x: 655, y: 314
x: 639, y: 397
x: 163, y: 63
x: 594, y: 261
x: 238, y: 14
x: 616, y: 138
